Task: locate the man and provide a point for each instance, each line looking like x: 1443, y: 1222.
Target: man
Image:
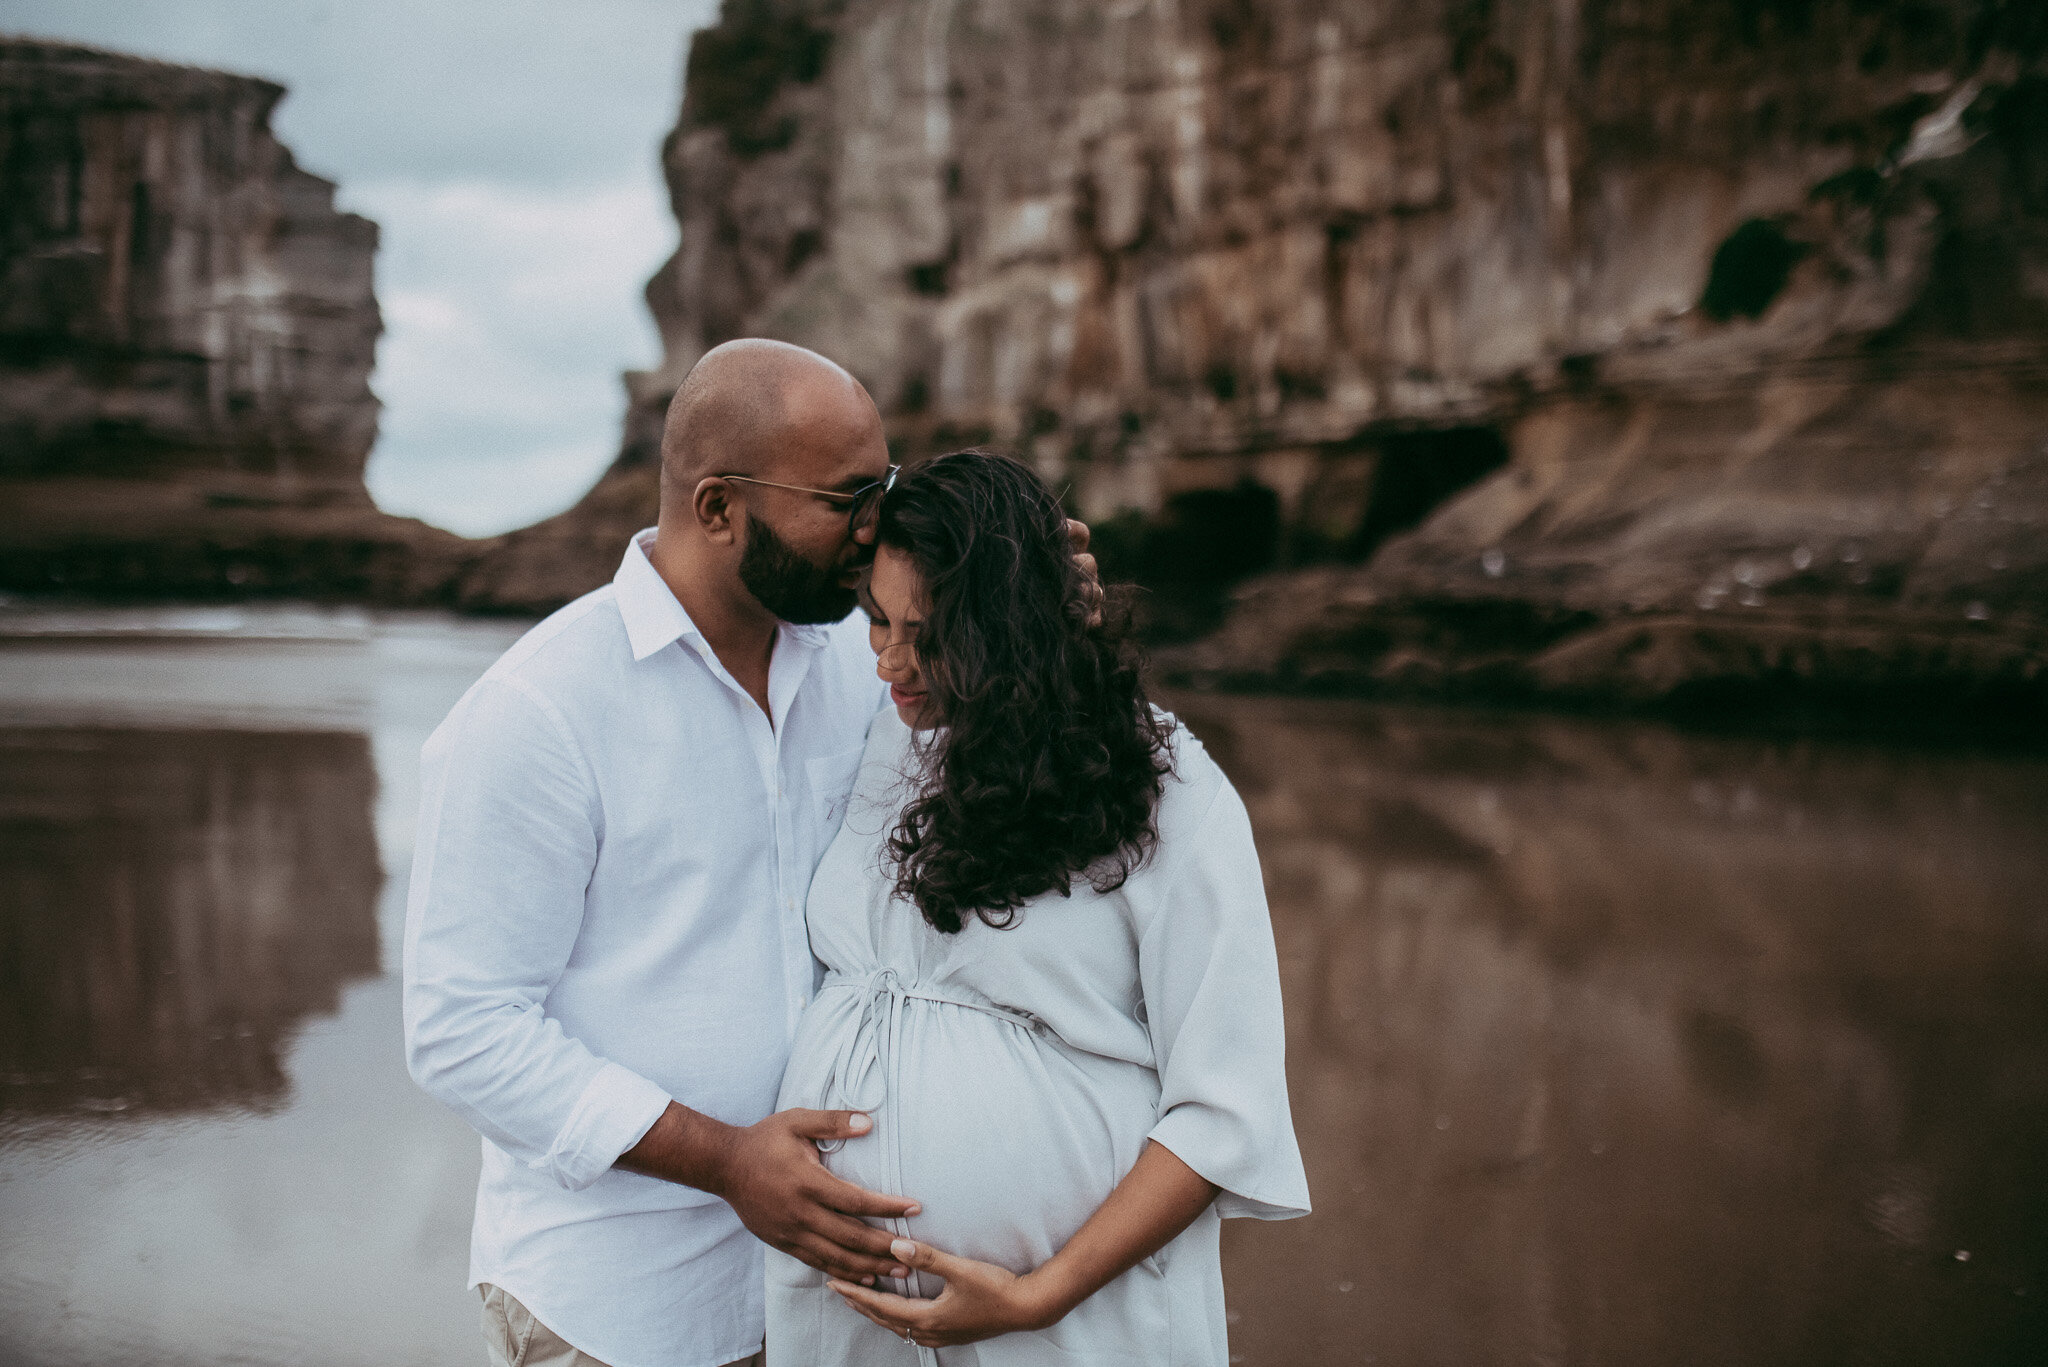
x: 605, y: 953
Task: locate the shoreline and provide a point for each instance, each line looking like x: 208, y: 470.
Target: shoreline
x: 1952, y: 712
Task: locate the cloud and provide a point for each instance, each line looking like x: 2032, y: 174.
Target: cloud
x: 509, y: 312
x: 535, y: 91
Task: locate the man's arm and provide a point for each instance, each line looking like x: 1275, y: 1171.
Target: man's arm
x: 508, y: 835
x: 509, y: 831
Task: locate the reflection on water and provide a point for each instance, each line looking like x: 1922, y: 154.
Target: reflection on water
x: 1608, y: 1044
x: 1612, y: 1045
x: 193, y: 814
x: 171, y: 904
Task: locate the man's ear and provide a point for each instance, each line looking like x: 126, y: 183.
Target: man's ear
x: 716, y: 513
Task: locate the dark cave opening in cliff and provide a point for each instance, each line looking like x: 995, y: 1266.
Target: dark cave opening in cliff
x: 1186, y: 559
x: 1202, y: 543
x: 1415, y: 473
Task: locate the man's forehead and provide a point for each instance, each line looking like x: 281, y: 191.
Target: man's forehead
x: 844, y: 465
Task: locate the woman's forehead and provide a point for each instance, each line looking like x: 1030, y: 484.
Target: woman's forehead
x: 892, y: 583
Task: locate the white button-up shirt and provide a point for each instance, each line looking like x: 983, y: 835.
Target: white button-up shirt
x: 606, y: 911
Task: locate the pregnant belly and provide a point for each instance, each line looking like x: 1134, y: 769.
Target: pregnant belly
x: 1009, y: 1139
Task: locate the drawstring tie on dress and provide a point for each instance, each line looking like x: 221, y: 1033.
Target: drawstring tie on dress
x: 865, y: 1071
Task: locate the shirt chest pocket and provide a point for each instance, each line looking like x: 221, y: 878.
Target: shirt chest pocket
x: 831, y: 781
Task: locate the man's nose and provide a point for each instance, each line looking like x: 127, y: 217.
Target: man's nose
x: 854, y: 563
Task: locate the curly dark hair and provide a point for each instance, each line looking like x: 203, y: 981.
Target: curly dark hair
x: 1050, y: 761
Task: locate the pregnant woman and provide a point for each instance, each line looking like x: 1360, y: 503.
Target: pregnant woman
x: 1050, y: 973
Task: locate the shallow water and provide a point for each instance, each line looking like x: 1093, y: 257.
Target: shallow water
x: 1607, y: 1044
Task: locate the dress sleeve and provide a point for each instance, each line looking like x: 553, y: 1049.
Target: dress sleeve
x: 1211, y: 983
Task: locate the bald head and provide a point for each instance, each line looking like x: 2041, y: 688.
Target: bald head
x: 762, y: 408
x: 794, y: 437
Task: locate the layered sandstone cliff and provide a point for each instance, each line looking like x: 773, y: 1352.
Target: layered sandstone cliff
x: 1735, y: 311
x: 187, y: 329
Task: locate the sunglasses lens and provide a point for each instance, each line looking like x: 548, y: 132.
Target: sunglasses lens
x: 865, y: 506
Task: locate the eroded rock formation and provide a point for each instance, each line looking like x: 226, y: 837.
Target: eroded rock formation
x: 187, y: 328
x: 1737, y: 310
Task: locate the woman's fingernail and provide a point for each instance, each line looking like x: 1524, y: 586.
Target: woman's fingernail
x: 914, y: 1210
x: 903, y: 1249
x: 858, y: 1123
x: 899, y: 1273
x: 868, y: 1280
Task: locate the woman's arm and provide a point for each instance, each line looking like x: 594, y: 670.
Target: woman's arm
x: 1159, y: 1197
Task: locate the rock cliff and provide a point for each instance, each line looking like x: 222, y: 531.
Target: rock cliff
x: 1729, y: 318
x: 187, y: 328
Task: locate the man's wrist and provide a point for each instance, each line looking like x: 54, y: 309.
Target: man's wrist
x: 718, y: 1144
x: 686, y: 1147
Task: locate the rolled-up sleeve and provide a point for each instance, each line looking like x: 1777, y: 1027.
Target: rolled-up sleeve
x: 509, y: 829
x: 1211, y: 983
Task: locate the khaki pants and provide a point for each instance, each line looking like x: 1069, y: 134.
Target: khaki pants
x: 514, y: 1338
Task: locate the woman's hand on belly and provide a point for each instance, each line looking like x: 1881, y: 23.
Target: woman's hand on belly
x: 980, y: 1301
x: 1157, y: 1199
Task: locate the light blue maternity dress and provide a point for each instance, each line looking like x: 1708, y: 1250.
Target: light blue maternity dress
x: 1015, y: 1075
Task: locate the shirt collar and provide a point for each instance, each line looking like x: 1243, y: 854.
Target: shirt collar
x: 655, y: 618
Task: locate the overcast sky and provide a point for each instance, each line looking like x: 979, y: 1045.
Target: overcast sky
x: 510, y: 151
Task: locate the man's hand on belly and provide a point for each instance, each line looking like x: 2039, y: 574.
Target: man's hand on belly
x: 771, y: 1176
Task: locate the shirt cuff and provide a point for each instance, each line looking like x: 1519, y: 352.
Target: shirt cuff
x: 615, y: 1111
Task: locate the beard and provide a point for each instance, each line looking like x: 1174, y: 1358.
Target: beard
x: 788, y: 585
